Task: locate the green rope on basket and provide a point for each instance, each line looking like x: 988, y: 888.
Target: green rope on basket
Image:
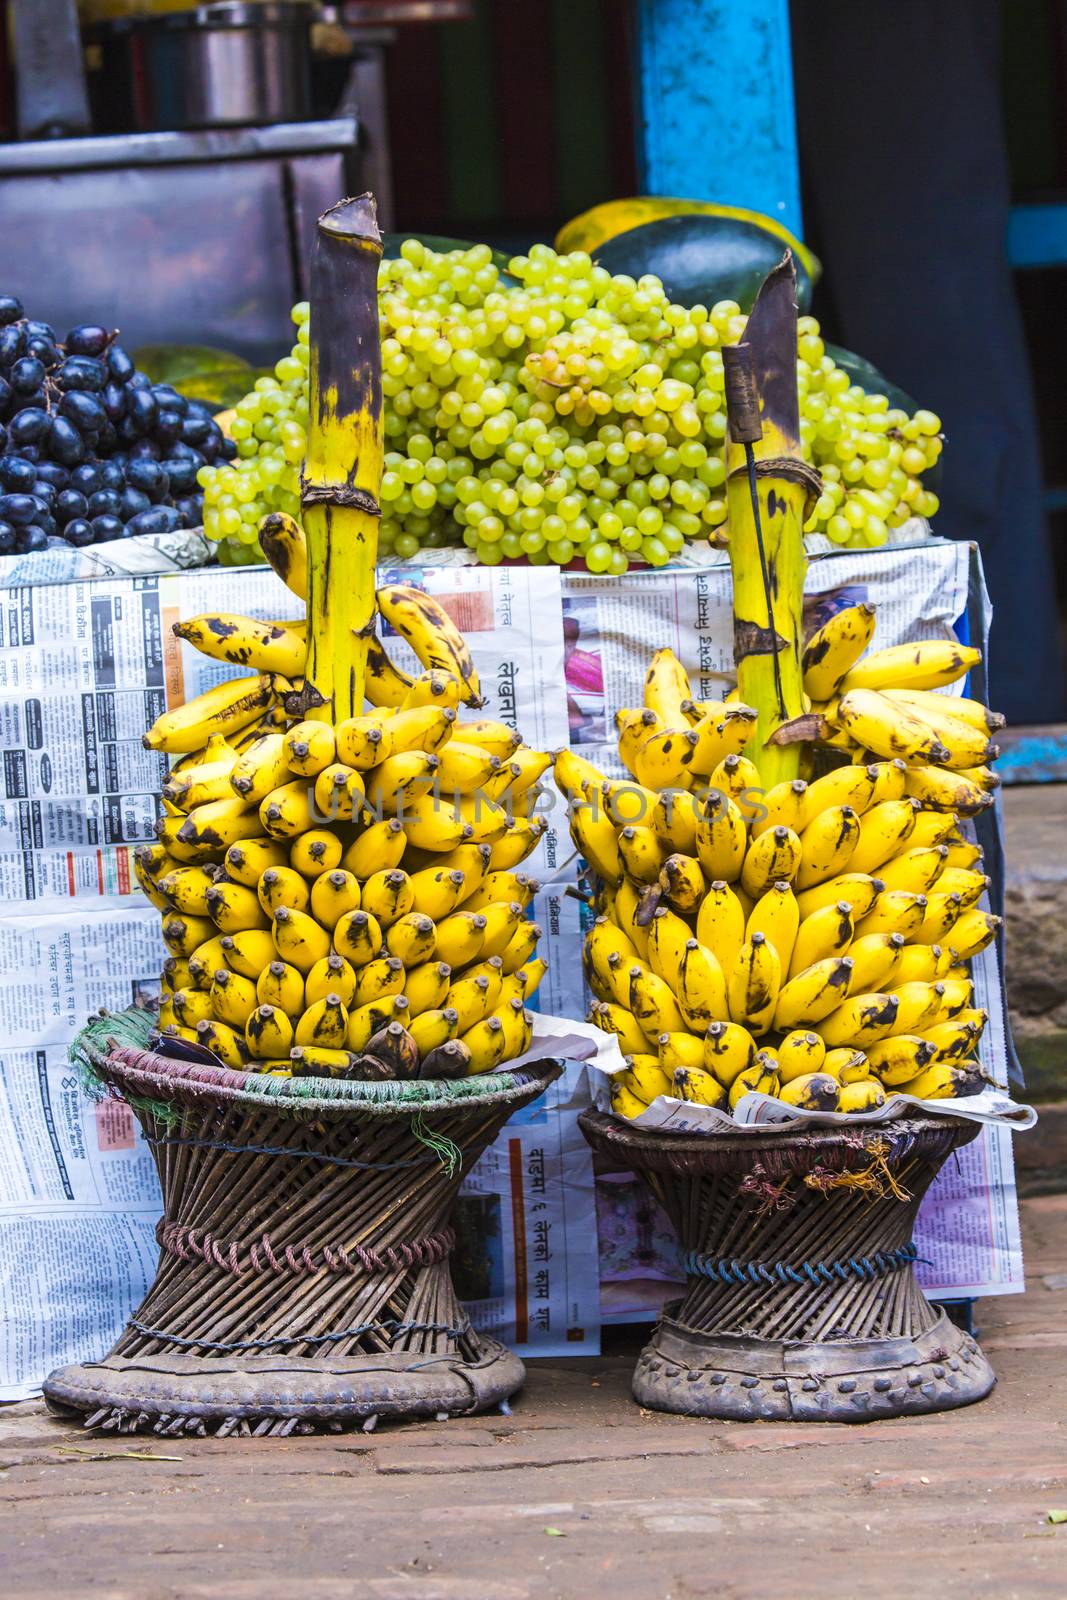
x: 131, y: 1028
x: 448, y: 1153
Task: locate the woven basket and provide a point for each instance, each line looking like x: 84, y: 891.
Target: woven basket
x: 304, y: 1271
x: 801, y: 1301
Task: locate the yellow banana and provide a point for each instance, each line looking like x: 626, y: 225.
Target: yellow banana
x: 834, y: 648
x: 594, y: 834
x: 531, y: 975
x: 298, y: 938
x: 365, y: 1021
x: 919, y: 1005
x: 176, y: 974
x: 487, y: 1042
x: 846, y: 1065
x: 752, y: 985
x: 281, y: 986
x: 890, y: 781
x: 191, y: 1006
x: 646, y: 1078
x: 739, y: 778
x: 432, y: 634
x: 379, y: 847
x: 360, y: 742
x: 916, y: 869
x: 634, y: 727
x: 682, y: 883
x: 970, y: 886
x: 435, y: 891
x: 945, y: 1081
x: 338, y: 793
x: 604, y: 940
x: 413, y: 939
x: 641, y: 852
x: 225, y: 709
x: 318, y: 850
x: 667, y: 937
x: 828, y: 845
x: 225, y: 1042
x: 378, y: 979
x: 432, y: 688
x: 521, y: 838
x: 699, y: 1088
x: 495, y: 738
x: 472, y: 998
x: 233, y: 998
x: 461, y: 938
x: 233, y: 908
x: 720, y: 922
x: 269, y: 1033
x: 246, y: 862
x: 877, y: 960
x: 195, y: 787
x: 613, y: 1018
x: 776, y: 914
x: 760, y: 1078
x: 680, y: 1050
x: 861, y: 1021
x: 894, y: 911
x: 183, y: 934
x: 729, y: 1049
x: 674, y: 817
x: 921, y: 963
x: 210, y: 829
x: 432, y: 1028
x: 878, y: 725
x: 520, y: 947
x: 283, y: 886
x: 800, y: 1053
x: 285, y: 547
x: 700, y: 986
x: 722, y: 839
x: 321, y: 1061
x: 186, y: 889
x: 310, y: 747
x: 934, y: 828
x: 784, y: 806
x: 324, y: 1023
x: 971, y: 712
x: 774, y: 857
x: 884, y: 831
x: 941, y: 790
x: 205, y: 960
x: 966, y: 746
x: 502, y: 921
x: 827, y: 932
x: 466, y: 769
x: 857, y: 888
x: 388, y: 895
x: 927, y: 664
x: 721, y: 735
x: 900, y: 1058
x: 942, y: 913
x: 629, y: 912
x: 957, y: 1038
x: 665, y: 759
x: 386, y: 684
x: 804, y: 1001
x: 248, y: 951
x: 432, y: 824
x: 399, y: 778
x: 652, y: 1002
x: 576, y: 777
x: 812, y: 1091
x: 332, y: 894
x: 426, y: 986
x: 287, y: 812
x: 852, y: 786
x: 260, y: 768
x: 501, y: 886
x: 866, y: 1094
x: 666, y: 687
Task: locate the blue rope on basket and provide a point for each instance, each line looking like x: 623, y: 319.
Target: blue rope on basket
x: 729, y: 1271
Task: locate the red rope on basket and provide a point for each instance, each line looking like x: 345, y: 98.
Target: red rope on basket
x: 193, y: 1244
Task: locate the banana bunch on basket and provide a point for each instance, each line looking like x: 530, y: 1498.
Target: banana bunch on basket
x: 344, y: 901
x: 810, y: 941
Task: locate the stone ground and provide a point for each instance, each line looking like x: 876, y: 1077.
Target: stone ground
x: 577, y: 1494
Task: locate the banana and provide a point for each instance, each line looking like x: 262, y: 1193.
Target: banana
x: 461, y: 938
x: 936, y: 827
x: 332, y: 894
x: 467, y: 769
x: 595, y: 837
x: 210, y: 829
x: 449, y: 1060
x: 324, y: 1023
x: 182, y: 935
x: 195, y: 787
x: 700, y: 1088
x: 298, y: 938
x: 776, y: 914
x: 531, y: 975
x: 432, y: 688
x: 321, y: 1061
x: 260, y: 768
x: 520, y: 947
x: 521, y: 838
x: 739, y: 778
x: 889, y: 784
x: 899, y: 1059
x: 828, y: 845
x: 646, y: 1079
x: 775, y: 856
x: 674, y: 817
x: 927, y: 664
x: 433, y: 1028
x: 575, y: 777
x: 973, y: 931
x: 623, y: 1102
x: 721, y: 733
x: 186, y: 889
x: 682, y: 883
x: 283, y: 543
x: 227, y: 1043
x: 651, y: 1001
x: 246, y: 862
x: 317, y: 851
x: 666, y: 687
x: 970, y: 886
x: 388, y: 895
x: 495, y: 738
x: 472, y: 998
x: 625, y: 802
x: 945, y: 1081
x: 634, y: 727
x: 894, y: 911
x: 630, y: 912
x: 884, y: 728
x: 177, y: 974
x: 883, y: 832
x: 360, y: 741
x: 683, y: 1050
x: 357, y: 936
x: 700, y: 986
x: 825, y: 933
x: 665, y: 945
x: 864, y: 1095
x: 413, y: 939
x: 940, y: 790
x: 785, y: 805
x: 283, y: 886
x: 383, y: 976
x: 966, y: 745
x: 952, y: 1041
x: 151, y: 861
x: 248, y: 951
x: 432, y: 634
x: 226, y: 708
x: 852, y: 786
x: 800, y: 1054
x: 804, y: 1001
x: 386, y: 685
x: 834, y: 648
x: 503, y: 919
x: 426, y: 986
x: 919, y: 1005
x: 310, y: 747
x: 665, y: 759
x: 432, y: 824
x: 532, y: 766
x: 877, y: 961
x: 613, y: 1018
x: 269, y: 1033
x: 752, y: 985
x: 923, y: 963
x: 971, y: 712
x: 641, y: 853
x: 722, y: 839
x: 233, y: 998
x: 191, y: 1006
x: 861, y: 1021
x: 365, y: 1021
x: 400, y: 778
x: 760, y: 1078
x: 435, y: 891
x: 204, y: 961
x: 942, y: 913
x: 729, y: 1049
x: 959, y: 992
x: 233, y: 908
x: 281, y: 986
x: 847, y: 1065
x: 487, y: 1043
x: 605, y: 940
x: 720, y: 922
x: 916, y: 870
x: 338, y: 793
x: 857, y: 888
x: 379, y: 847
x: 288, y: 811
x: 812, y: 1091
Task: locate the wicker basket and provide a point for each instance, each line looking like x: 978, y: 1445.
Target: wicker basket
x: 801, y: 1301
x: 304, y: 1251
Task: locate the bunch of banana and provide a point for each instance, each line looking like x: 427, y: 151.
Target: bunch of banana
x: 885, y: 705
x: 810, y: 941
x: 345, y: 900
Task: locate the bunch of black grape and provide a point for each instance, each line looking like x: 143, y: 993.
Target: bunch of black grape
x: 90, y: 448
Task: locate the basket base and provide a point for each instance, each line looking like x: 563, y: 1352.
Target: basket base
x: 265, y: 1394
x: 854, y: 1380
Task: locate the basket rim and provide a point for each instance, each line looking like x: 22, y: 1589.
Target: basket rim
x: 145, y: 1074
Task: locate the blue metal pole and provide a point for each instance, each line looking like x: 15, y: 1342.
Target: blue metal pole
x: 716, y: 117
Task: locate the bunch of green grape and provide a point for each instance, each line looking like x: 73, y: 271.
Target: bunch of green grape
x: 562, y: 413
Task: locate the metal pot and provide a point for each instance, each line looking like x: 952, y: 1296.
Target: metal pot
x: 221, y: 65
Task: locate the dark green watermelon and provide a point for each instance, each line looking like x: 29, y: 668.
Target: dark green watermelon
x: 702, y: 259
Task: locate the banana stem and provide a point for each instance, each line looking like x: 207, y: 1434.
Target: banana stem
x: 769, y: 589
x: 343, y: 470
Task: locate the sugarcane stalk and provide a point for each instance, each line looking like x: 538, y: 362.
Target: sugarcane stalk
x: 343, y: 470
x: 767, y: 558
